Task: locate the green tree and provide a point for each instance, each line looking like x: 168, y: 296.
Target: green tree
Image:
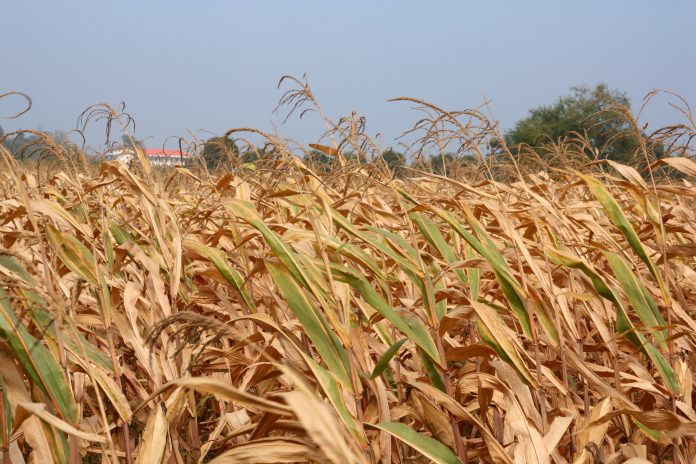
x: 218, y: 149
x: 253, y: 154
x: 126, y: 140
x: 354, y: 157
x: 442, y: 164
x: 22, y: 146
x: 590, y: 112
x: 319, y: 161
x: 394, y: 160
x: 5, y: 143
x: 27, y: 146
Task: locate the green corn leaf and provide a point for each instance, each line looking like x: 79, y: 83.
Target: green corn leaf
x: 623, y: 322
x: 618, y: 218
x: 353, y: 253
x: 422, y: 280
x: 433, y: 236
x: 561, y: 258
x: 36, y: 361
x: 494, y: 332
x: 409, y: 325
x: 283, y: 251
x: 120, y: 234
x: 313, y: 322
x: 75, y: 340
x: 334, y: 393
x: 11, y: 264
x: 433, y: 373
x: 429, y: 447
x: 384, y: 360
x: 108, y: 250
x: 432, y: 288
x: 287, y: 256
x: 73, y: 254
x: 218, y: 259
x: 660, y: 363
x: 638, y: 297
x: 7, y: 408
x: 398, y: 240
x: 55, y: 211
x: 514, y: 293
x: 346, y: 225
x: 625, y: 327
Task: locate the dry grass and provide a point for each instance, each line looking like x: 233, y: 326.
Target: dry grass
x: 278, y: 315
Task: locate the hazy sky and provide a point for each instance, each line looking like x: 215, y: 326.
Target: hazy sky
x: 183, y: 66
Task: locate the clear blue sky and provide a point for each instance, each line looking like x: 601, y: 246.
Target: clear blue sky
x: 183, y: 66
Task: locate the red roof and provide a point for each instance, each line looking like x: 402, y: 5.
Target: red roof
x: 165, y: 152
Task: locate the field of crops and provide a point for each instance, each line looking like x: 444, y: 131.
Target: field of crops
x: 279, y: 315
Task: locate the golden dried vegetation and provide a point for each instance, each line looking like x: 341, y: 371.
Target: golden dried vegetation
x: 279, y: 315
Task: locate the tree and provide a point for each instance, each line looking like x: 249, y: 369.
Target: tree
x: 394, y: 160
x: 590, y: 112
x: 253, y: 153
x: 126, y: 140
x: 319, y: 161
x: 25, y: 145
x: 442, y: 164
x: 353, y: 157
x: 22, y: 146
x: 5, y: 143
x: 218, y: 149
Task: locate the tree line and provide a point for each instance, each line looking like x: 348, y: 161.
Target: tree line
x: 590, y: 116
x: 595, y: 119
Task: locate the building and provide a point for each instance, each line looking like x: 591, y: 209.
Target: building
x: 157, y: 156
x: 125, y: 155
x: 165, y: 157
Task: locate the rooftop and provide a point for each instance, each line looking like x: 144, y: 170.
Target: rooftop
x: 166, y: 152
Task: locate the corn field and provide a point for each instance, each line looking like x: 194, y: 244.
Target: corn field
x: 281, y: 315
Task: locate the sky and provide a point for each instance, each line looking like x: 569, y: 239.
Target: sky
x: 203, y: 67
